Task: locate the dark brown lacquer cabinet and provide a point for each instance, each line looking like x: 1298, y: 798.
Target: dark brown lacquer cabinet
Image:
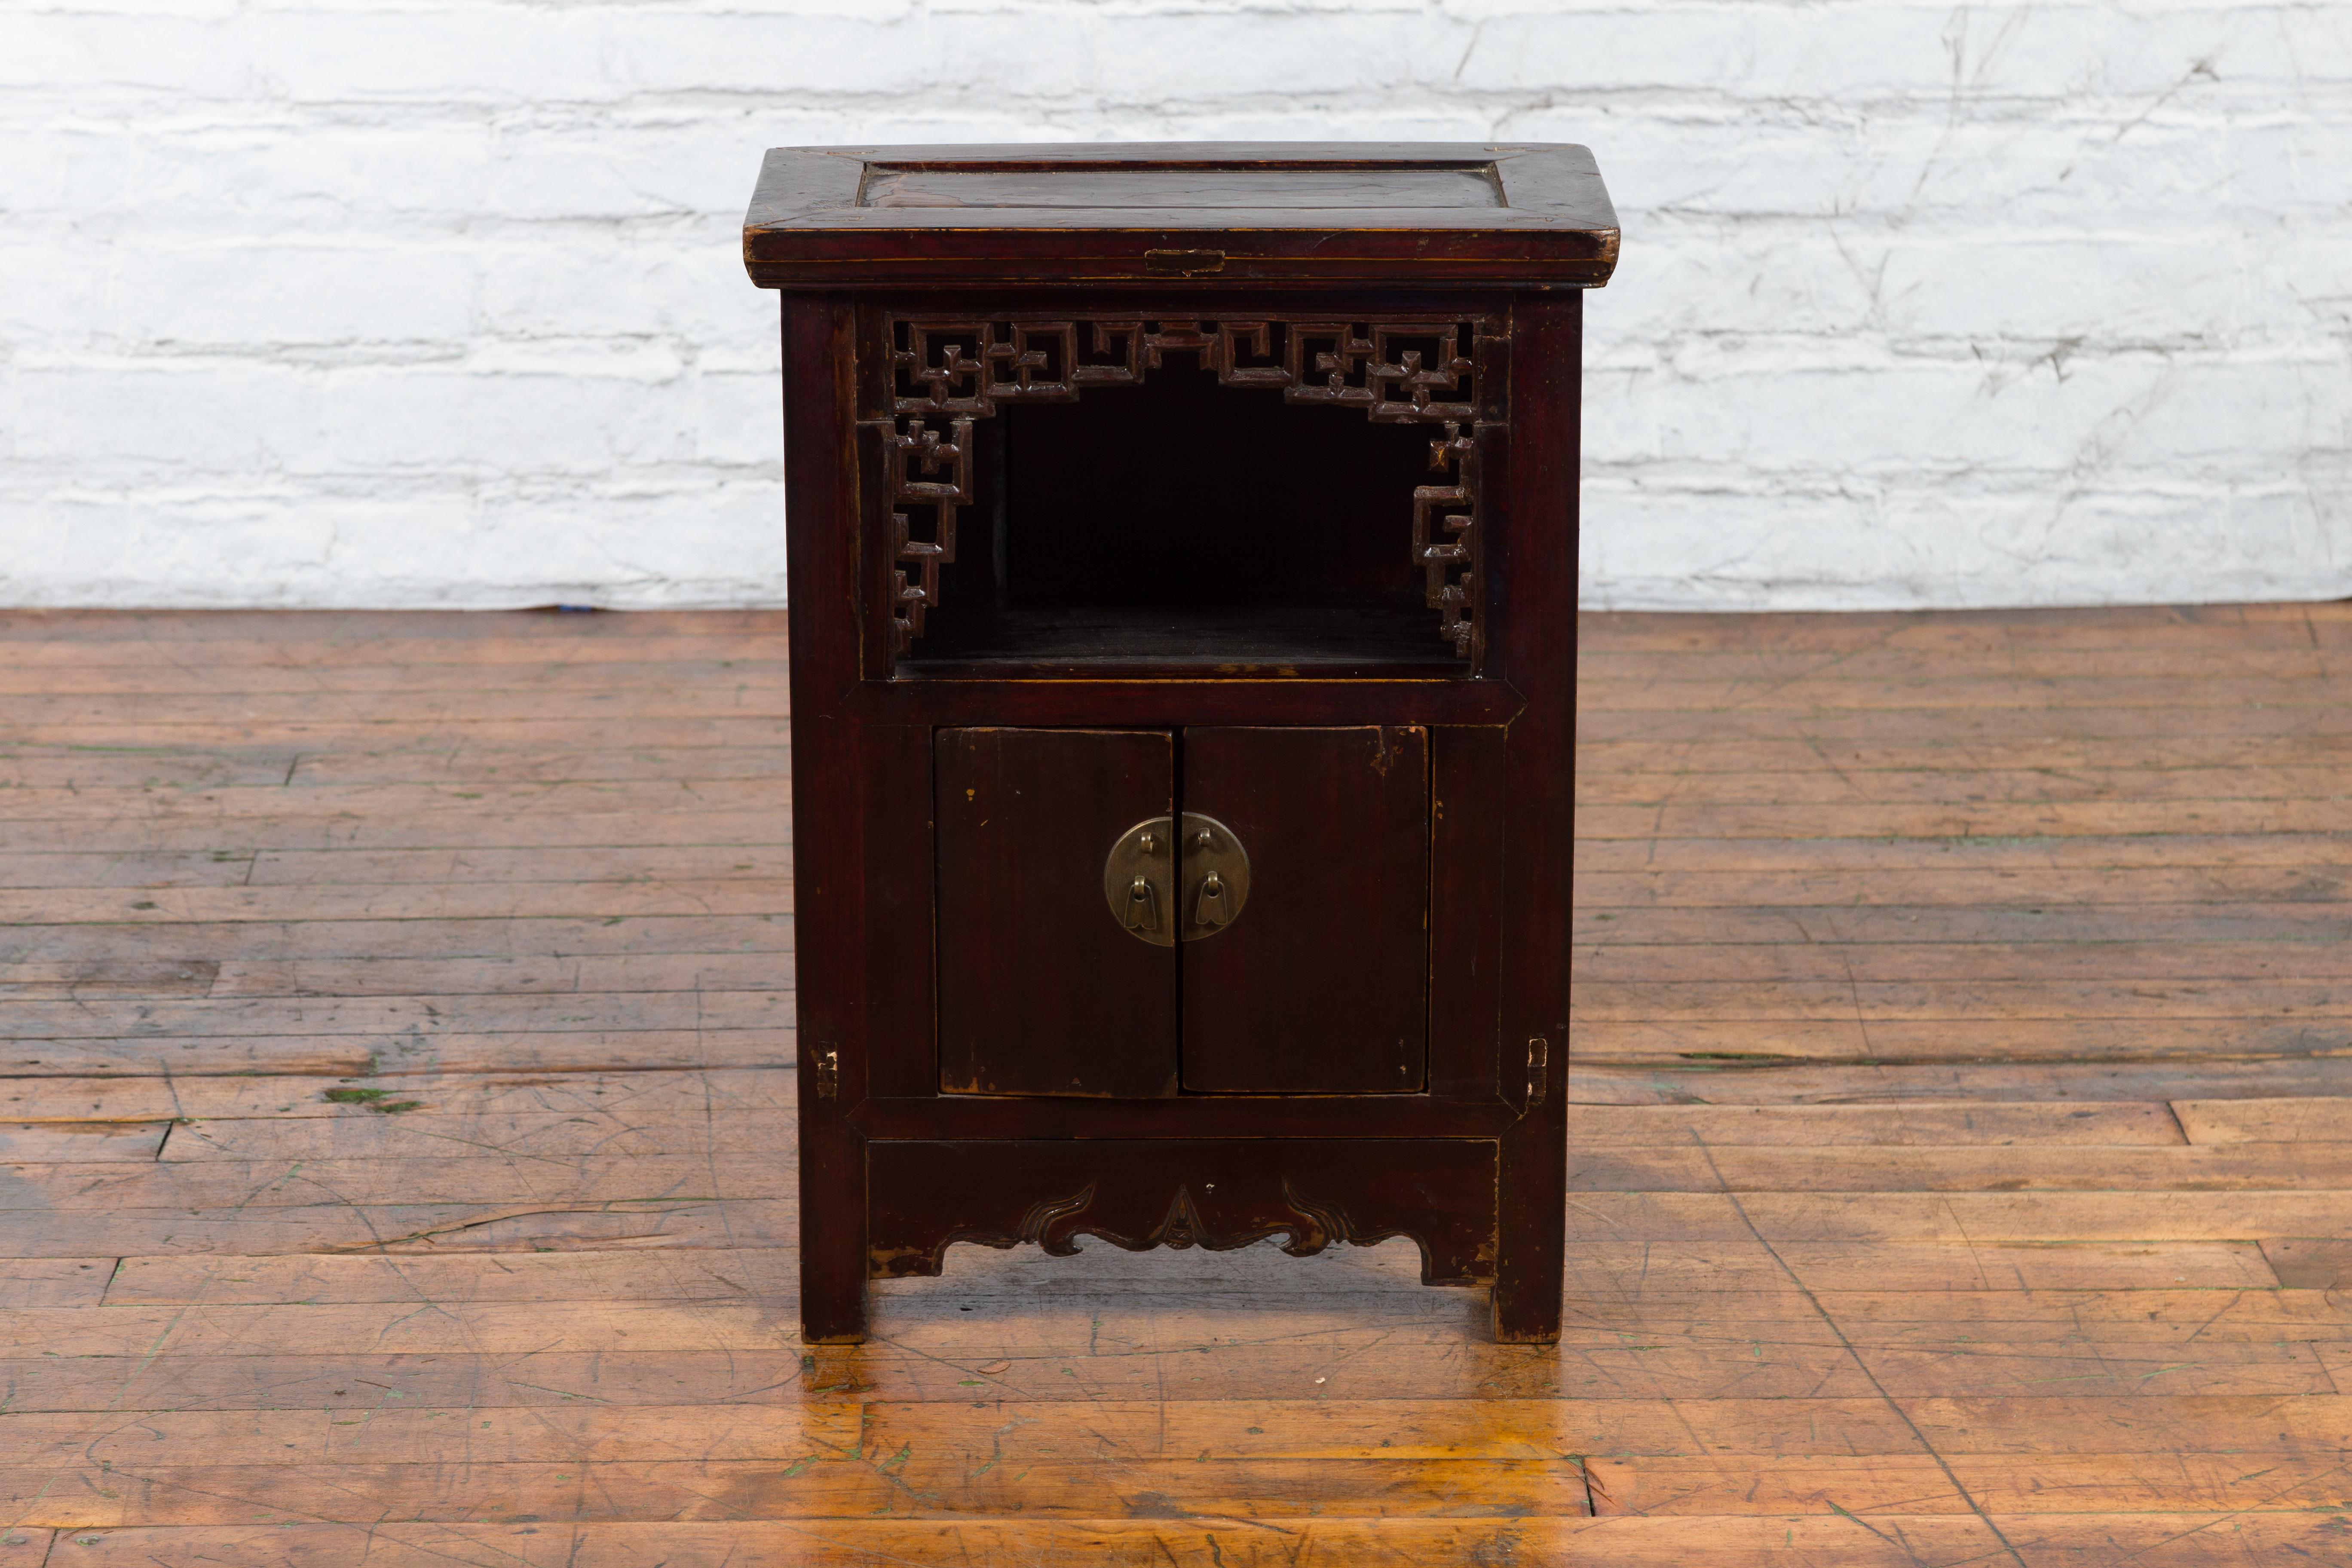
x: 1183, y: 586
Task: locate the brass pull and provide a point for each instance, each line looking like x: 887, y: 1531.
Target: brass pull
x: 1141, y: 882
x: 1209, y: 910
x: 1142, y: 913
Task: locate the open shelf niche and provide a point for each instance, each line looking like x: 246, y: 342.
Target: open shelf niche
x: 1235, y: 495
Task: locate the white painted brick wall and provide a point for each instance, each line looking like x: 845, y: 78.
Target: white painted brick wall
x: 418, y: 302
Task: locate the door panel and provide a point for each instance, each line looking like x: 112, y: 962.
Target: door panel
x: 1321, y: 983
x: 1041, y: 990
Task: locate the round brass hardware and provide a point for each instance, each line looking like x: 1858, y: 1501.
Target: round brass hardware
x: 1159, y: 896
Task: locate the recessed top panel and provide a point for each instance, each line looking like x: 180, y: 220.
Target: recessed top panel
x: 1304, y: 188
x: 1443, y: 214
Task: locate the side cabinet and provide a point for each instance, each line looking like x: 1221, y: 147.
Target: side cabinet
x: 1182, y: 549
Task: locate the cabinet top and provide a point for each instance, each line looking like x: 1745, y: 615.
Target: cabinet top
x: 1531, y: 214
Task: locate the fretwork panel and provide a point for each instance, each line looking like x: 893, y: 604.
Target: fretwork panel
x: 945, y: 375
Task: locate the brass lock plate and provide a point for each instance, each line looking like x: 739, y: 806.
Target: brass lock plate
x: 1164, y: 878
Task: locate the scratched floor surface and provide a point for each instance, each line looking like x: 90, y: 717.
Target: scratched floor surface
x: 396, y: 1009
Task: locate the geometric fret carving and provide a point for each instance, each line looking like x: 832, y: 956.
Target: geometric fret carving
x: 945, y: 375
x: 1446, y: 539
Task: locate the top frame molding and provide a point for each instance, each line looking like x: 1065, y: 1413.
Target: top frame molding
x: 1519, y: 214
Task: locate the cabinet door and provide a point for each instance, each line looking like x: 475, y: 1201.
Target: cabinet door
x: 1041, y: 991
x: 1321, y: 983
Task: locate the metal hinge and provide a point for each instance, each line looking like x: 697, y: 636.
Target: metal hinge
x: 1538, y: 1070
x: 828, y: 1073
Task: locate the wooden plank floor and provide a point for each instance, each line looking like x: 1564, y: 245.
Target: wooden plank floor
x: 396, y: 1018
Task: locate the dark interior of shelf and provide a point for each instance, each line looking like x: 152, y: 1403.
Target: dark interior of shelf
x: 1182, y: 521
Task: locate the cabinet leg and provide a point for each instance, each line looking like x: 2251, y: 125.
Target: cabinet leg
x: 1526, y: 1313
x: 833, y: 1304
x: 833, y: 1233
x: 1530, y: 1255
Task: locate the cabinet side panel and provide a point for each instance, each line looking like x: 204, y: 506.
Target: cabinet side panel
x: 1321, y: 984
x: 828, y: 815
x: 1539, y: 655
x: 1041, y: 991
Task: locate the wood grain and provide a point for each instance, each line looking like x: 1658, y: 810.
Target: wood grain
x: 419, y: 1163
x: 1322, y: 983
x: 1023, y: 819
